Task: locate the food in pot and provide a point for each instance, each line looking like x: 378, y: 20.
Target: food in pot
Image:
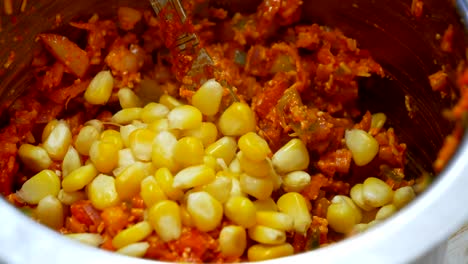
x: 109, y: 148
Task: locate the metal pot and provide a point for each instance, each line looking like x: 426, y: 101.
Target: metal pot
x: 405, y: 46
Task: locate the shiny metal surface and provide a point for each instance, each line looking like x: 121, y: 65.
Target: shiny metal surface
x: 405, y: 46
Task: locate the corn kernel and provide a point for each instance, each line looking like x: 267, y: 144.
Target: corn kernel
x: 362, y: 145
x: 385, y: 212
x: 266, y: 205
x: 211, y: 162
x: 267, y: 235
x: 163, y: 151
x: 295, y: 205
x: 189, y: 151
x: 135, y: 249
x: 104, y: 156
x: 127, y: 115
x: 132, y: 234
x: 237, y: 120
x: 205, y: 210
x: 128, y: 98
x: 87, y: 238
x: 165, y: 180
x: 85, y: 138
x: 153, y: 111
x: 217, y: 188
x: 185, y: 216
x: 265, y: 252
x: 159, y: 125
x: 48, y: 129
x: 276, y: 220
x: 125, y: 132
x: 296, y: 181
x: 39, y: 186
x: 236, y: 189
x: 207, y: 133
x: 235, y: 167
x: 260, y: 188
x: 241, y: 211
x: 128, y: 182
x: 208, y: 97
x: 100, y: 88
x: 169, y: 101
x: 102, y: 192
x: 34, y: 157
x: 358, y: 199
x: 184, y: 117
x: 49, y: 211
x: 58, y: 141
x: 343, y: 214
x: 275, y: 178
x: 254, y: 147
x: 69, y: 198
x: 165, y: 218
x: 112, y: 136
x: 293, y: 156
x: 232, y: 241
x: 96, y: 123
x: 71, y: 161
x: 151, y: 192
x: 403, y: 196
x: 141, y: 143
x: 79, y: 178
x: 376, y: 192
x: 224, y: 148
x: 378, y: 120
x: 193, y: 176
x: 260, y: 169
x: 126, y: 158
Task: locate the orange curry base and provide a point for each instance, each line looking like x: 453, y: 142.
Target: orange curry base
x: 304, y: 83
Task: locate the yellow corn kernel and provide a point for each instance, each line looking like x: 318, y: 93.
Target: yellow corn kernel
x: 132, y: 234
x: 296, y: 181
x: 141, y: 143
x: 189, y: 151
x: 169, y: 101
x: 358, y: 199
x: 378, y: 120
x: 126, y: 158
x: 207, y: 133
x: 137, y: 250
x: 165, y: 180
x: 261, y: 252
x: 193, y: 176
x: 267, y: 235
x: 100, y: 88
x: 96, y: 123
x: 85, y: 138
x: 48, y: 129
x: 112, y: 136
x: 276, y: 220
x: 151, y: 192
x: 87, y: 238
x: 254, y: 147
x: 217, y: 188
x: 343, y: 214
x: 71, y: 161
x: 185, y: 216
x: 295, y: 205
x: 128, y: 182
x: 275, y: 178
x: 163, y: 151
x: 208, y: 97
x: 205, y: 210
x: 241, y: 211
x: 159, y: 125
x: 34, y: 157
x: 128, y: 98
x: 39, y: 186
x: 232, y: 241
x: 49, y: 211
x: 376, y: 192
x: 265, y: 205
x: 385, y: 212
x: 127, y: 115
x: 236, y: 189
x: 104, y: 156
x: 102, y: 192
x: 359, y: 228
x: 362, y: 145
x: 58, y: 141
x: 235, y: 167
x: 293, y: 156
x: 125, y: 132
x: 165, y: 218
x: 224, y: 148
x: 184, y: 117
x: 153, y: 111
x: 260, y: 169
x: 238, y: 119
x: 69, y: 198
x: 79, y: 178
x: 260, y: 188
x: 211, y: 162
x: 403, y: 196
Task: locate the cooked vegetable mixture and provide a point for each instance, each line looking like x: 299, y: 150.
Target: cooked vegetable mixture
x: 267, y: 157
